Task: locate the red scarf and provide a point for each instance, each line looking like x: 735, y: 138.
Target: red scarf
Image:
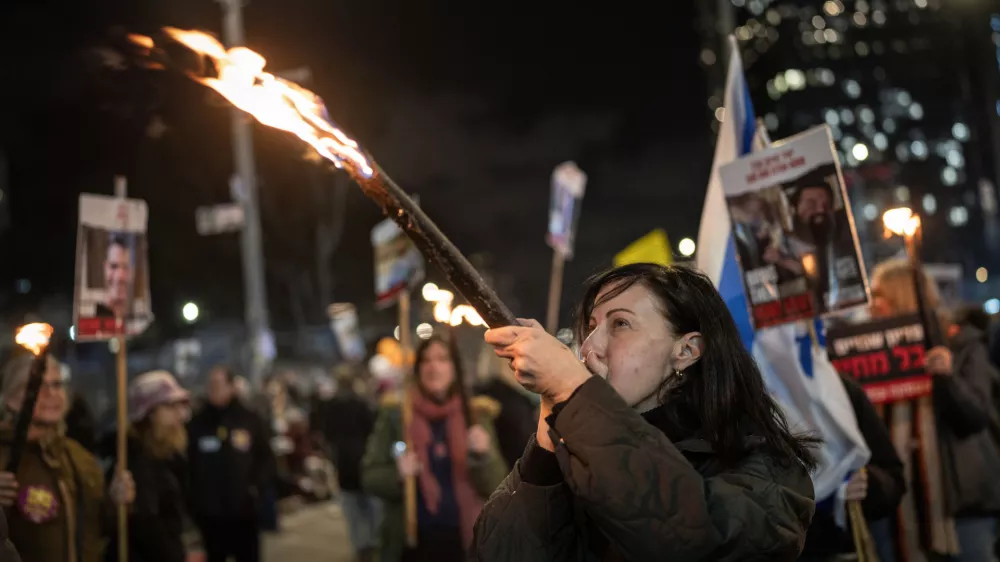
x: 426, y: 411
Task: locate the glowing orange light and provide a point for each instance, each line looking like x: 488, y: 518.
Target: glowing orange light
x: 901, y: 222
x: 34, y: 337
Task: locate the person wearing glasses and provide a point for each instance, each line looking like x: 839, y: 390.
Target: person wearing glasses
x: 56, y: 504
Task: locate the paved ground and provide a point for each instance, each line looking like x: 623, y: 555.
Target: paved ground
x: 312, y: 533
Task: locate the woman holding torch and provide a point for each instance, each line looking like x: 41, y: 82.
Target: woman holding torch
x: 55, y: 503
x: 661, y: 444
x: 964, y: 408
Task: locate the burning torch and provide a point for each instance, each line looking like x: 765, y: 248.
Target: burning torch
x: 903, y: 222
x: 35, y: 338
x: 284, y: 105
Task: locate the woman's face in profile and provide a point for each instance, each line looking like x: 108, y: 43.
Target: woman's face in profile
x: 630, y: 345
x: 437, y: 371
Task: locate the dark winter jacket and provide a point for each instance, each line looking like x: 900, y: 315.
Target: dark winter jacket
x: 62, y: 488
x: 156, y: 518
x: 886, y: 484
x: 517, y: 420
x: 966, y: 410
x: 7, y: 551
x: 230, y: 459
x: 346, y: 422
x: 623, y: 490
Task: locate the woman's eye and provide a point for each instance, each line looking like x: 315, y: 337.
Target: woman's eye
x: 620, y: 323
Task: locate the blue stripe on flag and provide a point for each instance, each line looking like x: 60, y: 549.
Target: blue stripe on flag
x: 731, y: 281
x: 749, y: 123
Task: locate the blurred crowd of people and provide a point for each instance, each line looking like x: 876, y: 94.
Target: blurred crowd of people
x: 205, y: 474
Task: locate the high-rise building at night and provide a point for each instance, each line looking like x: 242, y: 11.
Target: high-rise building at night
x: 911, y: 92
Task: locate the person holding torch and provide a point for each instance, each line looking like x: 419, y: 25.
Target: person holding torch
x: 659, y: 443
x: 54, y: 499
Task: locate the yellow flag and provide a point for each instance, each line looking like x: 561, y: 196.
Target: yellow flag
x: 651, y: 248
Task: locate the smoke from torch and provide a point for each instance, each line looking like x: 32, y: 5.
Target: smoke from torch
x: 35, y: 338
x: 284, y: 105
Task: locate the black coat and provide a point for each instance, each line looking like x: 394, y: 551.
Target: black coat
x: 7, y: 551
x: 346, y: 421
x: 625, y: 488
x: 886, y: 484
x: 230, y: 458
x: 156, y: 518
x: 517, y: 420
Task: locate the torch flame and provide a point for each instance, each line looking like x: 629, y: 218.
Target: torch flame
x: 141, y: 40
x: 34, y: 337
x: 901, y: 222
x: 466, y: 313
x: 273, y: 101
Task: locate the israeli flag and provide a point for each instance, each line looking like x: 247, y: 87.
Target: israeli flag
x: 800, y: 378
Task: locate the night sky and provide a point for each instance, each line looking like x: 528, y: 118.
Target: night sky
x: 469, y: 104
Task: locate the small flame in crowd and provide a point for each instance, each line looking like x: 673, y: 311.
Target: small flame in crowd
x: 141, y: 40
x: 466, y: 313
x: 34, y: 337
x: 273, y: 101
x: 901, y: 222
x: 444, y: 313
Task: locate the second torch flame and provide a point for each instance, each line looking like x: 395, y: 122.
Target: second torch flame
x: 271, y: 100
x: 34, y: 337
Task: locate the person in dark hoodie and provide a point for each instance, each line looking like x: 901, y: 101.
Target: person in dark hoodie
x: 965, y: 409
x: 7, y: 551
x: 347, y: 421
x: 157, y: 441
x: 230, y: 460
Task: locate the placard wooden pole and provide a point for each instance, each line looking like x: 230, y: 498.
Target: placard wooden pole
x: 555, y: 291
x: 121, y: 363
x: 410, y: 484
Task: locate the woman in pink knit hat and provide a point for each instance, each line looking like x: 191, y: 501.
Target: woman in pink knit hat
x: 157, y: 439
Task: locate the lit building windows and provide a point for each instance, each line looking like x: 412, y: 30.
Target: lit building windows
x: 881, y: 141
x: 949, y: 176
x: 955, y: 159
x: 960, y: 131
x: 852, y: 88
x: 958, y: 216
x: 929, y: 204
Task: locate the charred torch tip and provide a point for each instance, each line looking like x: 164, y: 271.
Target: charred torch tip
x: 34, y: 337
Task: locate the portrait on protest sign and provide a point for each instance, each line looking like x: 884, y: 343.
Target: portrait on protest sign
x: 398, y: 263
x: 885, y: 357
x: 112, y: 269
x: 793, y: 231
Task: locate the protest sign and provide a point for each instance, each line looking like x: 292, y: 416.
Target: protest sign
x: 793, y: 230
x: 344, y: 323
x: 568, y: 185
x: 398, y: 263
x: 886, y: 357
x: 112, y: 269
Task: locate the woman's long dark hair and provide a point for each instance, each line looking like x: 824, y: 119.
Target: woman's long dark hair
x: 724, y: 390
x: 458, y: 386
